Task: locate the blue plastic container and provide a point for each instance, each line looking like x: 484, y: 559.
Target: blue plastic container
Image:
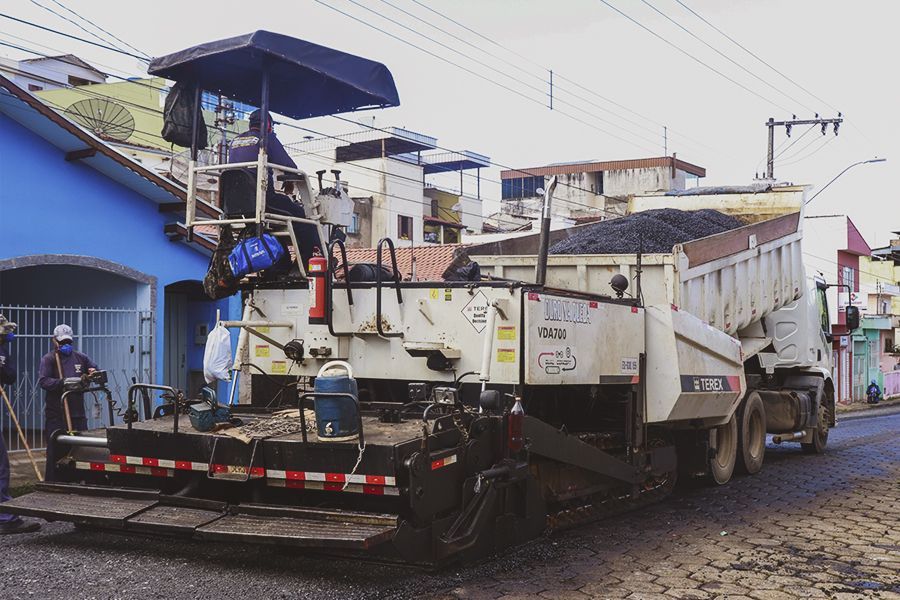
x: 336, y: 417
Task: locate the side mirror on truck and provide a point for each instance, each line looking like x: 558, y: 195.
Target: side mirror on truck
x: 852, y: 318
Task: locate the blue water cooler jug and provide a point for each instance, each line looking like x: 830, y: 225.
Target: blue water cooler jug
x: 337, y: 417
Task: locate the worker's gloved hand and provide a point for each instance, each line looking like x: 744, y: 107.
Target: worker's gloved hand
x: 85, y: 378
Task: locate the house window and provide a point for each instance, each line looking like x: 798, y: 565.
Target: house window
x: 404, y: 227
x: 34, y: 88
x: 354, y: 224
x: 520, y: 187
x: 848, y: 277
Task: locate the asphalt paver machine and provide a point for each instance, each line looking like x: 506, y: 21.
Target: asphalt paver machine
x: 435, y: 421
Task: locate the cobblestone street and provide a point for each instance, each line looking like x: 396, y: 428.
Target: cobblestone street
x: 806, y: 527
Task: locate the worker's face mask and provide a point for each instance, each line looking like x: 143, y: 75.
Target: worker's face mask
x: 65, y: 349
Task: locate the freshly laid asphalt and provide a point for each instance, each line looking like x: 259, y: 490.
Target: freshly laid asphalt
x: 807, y: 526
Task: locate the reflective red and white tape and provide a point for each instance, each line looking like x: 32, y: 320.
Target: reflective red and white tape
x: 443, y: 462
x: 129, y: 469
x: 139, y: 465
x: 327, y: 486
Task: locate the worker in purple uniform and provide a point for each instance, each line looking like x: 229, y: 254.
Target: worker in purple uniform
x: 245, y: 148
x: 58, y: 364
x: 8, y: 523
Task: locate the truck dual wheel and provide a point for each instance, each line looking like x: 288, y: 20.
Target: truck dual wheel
x: 820, y: 435
x: 724, y: 441
x: 751, y: 434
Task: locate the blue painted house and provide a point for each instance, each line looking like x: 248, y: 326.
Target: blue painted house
x: 92, y: 238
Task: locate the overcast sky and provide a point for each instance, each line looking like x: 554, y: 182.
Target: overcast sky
x: 844, y: 53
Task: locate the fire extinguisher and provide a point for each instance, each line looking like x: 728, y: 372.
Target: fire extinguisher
x: 318, y: 266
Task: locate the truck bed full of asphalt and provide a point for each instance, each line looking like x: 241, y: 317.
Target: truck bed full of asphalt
x: 653, y: 231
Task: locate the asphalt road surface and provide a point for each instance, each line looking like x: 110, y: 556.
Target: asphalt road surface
x: 805, y: 527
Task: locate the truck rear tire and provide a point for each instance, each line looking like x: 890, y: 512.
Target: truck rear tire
x: 820, y: 435
x: 724, y: 441
x: 751, y: 434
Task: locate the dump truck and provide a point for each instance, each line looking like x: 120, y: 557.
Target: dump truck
x: 431, y: 422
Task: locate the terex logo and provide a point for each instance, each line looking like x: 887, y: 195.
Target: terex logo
x: 708, y: 384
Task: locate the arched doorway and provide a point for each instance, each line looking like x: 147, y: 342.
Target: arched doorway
x: 109, y: 307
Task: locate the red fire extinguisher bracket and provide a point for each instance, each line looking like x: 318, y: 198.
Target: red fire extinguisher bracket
x: 317, y: 271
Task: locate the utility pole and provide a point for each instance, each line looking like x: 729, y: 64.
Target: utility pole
x: 772, y: 124
x: 665, y: 141
x: 226, y: 110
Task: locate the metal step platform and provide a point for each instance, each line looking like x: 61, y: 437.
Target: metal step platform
x: 148, y: 511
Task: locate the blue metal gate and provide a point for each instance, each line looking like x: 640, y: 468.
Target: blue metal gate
x: 120, y: 341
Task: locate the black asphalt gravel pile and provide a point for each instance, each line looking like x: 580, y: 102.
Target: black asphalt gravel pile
x: 660, y: 229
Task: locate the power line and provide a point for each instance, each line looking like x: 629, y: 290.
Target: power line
x: 543, y: 80
x: 498, y: 71
x: 73, y: 37
x: 475, y: 73
x: 796, y: 139
x: 725, y: 56
x: 558, y: 75
x: 828, y: 140
x: 751, y: 53
x: 694, y: 58
x: 94, y: 24
x: 75, y: 23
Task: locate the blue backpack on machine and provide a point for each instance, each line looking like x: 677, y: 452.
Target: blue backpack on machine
x: 255, y: 254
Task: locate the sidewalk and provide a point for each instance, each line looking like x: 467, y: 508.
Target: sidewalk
x: 859, y: 406
x: 21, y: 471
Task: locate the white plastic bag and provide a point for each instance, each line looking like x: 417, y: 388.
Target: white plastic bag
x: 217, y: 356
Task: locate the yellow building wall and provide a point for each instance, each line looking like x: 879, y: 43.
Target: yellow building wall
x: 885, y: 271
x: 445, y: 202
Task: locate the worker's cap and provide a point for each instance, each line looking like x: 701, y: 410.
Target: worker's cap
x: 63, y: 332
x: 256, y: 117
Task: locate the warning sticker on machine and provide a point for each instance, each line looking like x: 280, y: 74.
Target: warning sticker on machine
x: 506, y: 355
x: 556, y: 361
x: 448, y: 294
x: 434, y: 293
x: 475, y: 311
x: 262, y: 350
x: 279, y: 367
x: 506, y: 333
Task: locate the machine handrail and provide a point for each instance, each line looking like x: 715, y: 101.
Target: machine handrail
x: 329, y: 286
x: 175, y: 396
x: 396, y: 278
x: 88, y: 390
x: 302, y: 401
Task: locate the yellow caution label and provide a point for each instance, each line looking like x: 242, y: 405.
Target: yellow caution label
x: 506, y: 355
x: 279, y: 367
x: 506, y: 333
x: 434, y: 294
x: 263, y: 329
x: 448, y: 294
x: 262, y: 351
